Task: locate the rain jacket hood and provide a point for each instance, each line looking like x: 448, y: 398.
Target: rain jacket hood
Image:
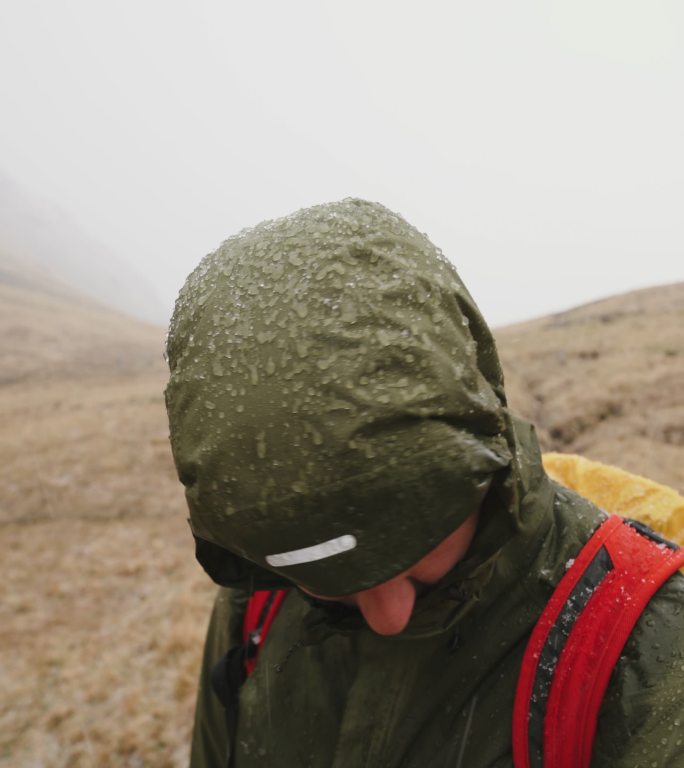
x: 336, y: 405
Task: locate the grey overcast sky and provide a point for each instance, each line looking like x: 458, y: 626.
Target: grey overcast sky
x: 538, y: 143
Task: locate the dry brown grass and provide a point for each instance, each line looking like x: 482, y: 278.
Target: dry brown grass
x: 89, y: 448
x: 102, y: 607
x: 605, y: 380
x: 101, y: 630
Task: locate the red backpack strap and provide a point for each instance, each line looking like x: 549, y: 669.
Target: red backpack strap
x: 578, y: 640
x: 262, y: 608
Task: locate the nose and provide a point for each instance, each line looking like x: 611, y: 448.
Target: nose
x: 387, y: 608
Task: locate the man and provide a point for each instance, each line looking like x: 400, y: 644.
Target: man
x: 339, y: 421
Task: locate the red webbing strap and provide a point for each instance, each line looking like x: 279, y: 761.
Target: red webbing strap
x: 590, y: 623
x: 262, y: 608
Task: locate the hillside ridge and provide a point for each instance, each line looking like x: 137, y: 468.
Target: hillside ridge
x: 605, y: 380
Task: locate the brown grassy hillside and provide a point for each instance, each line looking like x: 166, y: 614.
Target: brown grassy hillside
x: 102, y: 608
x: 101, y: 604
x: 606, y: 380
x: 48, y: 333
x: 81, y: 408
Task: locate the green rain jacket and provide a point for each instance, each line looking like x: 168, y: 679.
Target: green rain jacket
x: 333, y: 386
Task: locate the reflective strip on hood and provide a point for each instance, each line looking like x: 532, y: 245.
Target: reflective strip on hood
x: 316, y: 552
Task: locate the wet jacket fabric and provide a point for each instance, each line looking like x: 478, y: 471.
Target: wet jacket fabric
x: 333, y: 381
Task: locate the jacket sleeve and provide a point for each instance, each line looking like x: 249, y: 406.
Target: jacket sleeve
x: 640, y: 724
x: 210, y: 746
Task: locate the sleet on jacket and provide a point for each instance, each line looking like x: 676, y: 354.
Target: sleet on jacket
x: 332, y: 380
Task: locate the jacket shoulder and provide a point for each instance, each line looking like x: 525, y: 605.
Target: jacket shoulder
x: 640, y: 721
x: 210, y: 739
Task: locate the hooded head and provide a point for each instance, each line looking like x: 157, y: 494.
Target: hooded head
x: 336, y: 403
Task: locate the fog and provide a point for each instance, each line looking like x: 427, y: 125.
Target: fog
x: 539, y: 144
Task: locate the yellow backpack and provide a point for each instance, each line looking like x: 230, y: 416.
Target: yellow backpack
x: 620, y: 492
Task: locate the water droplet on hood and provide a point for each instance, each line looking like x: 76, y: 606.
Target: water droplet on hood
x: 261, y: 445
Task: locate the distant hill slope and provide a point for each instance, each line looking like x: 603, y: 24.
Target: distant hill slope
x: 38, y: 239
x: 82, y: 422
x: 606, y: 380
x: 48, y: 331
x: 101, y: 597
